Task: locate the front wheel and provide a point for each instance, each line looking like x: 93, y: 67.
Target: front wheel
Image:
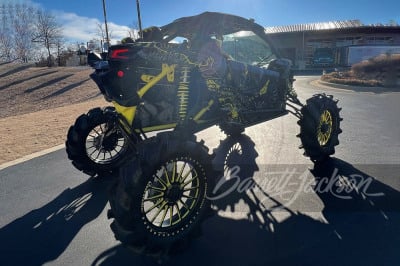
x: 320, y: 127
x: 94, y: 143
x: 159, y: 202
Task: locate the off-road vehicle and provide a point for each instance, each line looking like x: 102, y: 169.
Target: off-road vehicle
x: 196, y: 72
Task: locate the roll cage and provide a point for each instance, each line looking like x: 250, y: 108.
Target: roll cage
x: 209, y: 24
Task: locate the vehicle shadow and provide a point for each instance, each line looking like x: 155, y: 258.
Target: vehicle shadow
x: 42, y: 235
x: 358, y: 223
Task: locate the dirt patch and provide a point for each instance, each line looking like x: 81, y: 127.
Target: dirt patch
x: 38, y: 105
x: 26, y: 89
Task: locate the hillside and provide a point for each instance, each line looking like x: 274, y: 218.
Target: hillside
x: 25, y: 89
x: 38, y: 105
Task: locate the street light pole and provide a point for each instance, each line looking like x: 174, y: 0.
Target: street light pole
x: 139, y: 19
x: 105, y: 23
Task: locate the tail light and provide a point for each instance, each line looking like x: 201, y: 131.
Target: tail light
x: 119, y: 54
x: 120, y: 73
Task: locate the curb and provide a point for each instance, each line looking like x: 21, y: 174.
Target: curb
x: 350, y: 88
x: 31, y: 156
x: 347, y: 87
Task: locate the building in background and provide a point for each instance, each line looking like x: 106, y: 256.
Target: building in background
x: 335, y: 43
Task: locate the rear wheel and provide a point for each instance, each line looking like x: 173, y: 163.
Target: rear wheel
x: 320, y: 127
x: 94, y: 143
x: 159, y: 201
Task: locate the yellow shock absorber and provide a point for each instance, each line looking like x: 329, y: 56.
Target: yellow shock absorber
x: 183, y: 93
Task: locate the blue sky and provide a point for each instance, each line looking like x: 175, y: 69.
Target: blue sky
x: 78, y: 15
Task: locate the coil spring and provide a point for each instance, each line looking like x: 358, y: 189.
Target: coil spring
x: 183, y: 93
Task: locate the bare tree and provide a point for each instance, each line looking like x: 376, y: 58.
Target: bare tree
x: 133, y: 30
x: 23, y: 28
x: 101, y: 33
x: 6, y: 38
x: 6, y: 46
x: 393, y: 23
x: 47, y: 32
x: 21, y: 16
x: 60, y: 45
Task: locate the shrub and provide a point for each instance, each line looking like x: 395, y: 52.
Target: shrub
x: 382, y: 70
x: 377, y: 64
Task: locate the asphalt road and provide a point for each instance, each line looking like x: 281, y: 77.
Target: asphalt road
x: 281, y: 211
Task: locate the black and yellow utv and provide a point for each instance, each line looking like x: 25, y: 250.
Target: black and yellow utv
x: 194, y: 73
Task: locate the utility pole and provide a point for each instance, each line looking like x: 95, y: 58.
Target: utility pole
x: 105, y: 23
x: 139, y: 19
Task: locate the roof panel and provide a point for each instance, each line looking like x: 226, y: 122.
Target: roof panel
x: 344, y: 24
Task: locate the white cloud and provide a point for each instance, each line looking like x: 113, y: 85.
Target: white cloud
x: 78, y: 28
x: 83, y: 29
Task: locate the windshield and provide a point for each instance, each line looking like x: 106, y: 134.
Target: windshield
x: 247, y: 47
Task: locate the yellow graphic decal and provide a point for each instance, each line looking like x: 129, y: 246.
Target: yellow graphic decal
x: 183, y: 93
x: 170, y: 72
x: 203, y: 111
x: 166, y: 71
x: 155, y: 128
x: 146, y: 78
x: 179, y: 56
x: 212, y: 84
x: 234, y: 112
x: 264, y: 89
x: 127, y: 112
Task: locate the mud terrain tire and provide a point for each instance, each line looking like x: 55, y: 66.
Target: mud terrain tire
x: 319, y: 127
x: 90, y: 149
x: 159, y: 201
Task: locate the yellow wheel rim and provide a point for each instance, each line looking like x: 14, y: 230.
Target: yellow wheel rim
x: 324, y: 130
x: 173, y: 194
